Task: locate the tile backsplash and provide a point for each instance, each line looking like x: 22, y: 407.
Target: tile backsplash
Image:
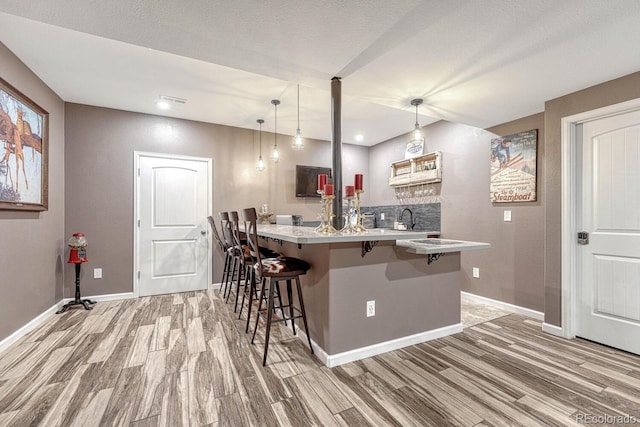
x: 426, y: 216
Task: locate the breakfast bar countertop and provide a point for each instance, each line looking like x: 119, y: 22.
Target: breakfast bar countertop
x: 438, y: 245
x: 307, y: 235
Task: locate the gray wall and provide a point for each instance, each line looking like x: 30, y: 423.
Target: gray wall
x: 512, y: 270
x: 609, y: 93
x: 99, y: 179
x: 33, y: 248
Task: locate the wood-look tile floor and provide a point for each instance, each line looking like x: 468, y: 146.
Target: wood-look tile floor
x: 184, y: 359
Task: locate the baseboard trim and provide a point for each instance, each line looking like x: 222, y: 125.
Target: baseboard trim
x: 333, y: 360
x: 34, y: 323
x: 38, y: 320
x: 538, y: 315
x: 102, y: 298
x: 553, y: 329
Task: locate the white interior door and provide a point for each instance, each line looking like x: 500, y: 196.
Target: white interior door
x: 608, y: 289
x: 173, y: 243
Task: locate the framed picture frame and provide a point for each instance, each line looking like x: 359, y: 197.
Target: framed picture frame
x: 24, y: 152
x: 514, y: 168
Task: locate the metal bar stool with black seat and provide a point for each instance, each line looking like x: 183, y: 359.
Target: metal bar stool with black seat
x: 227, y: 237
x: 223, y: 247
x: 242, y: 255
x: 250, y: 287
x: 271, y: 271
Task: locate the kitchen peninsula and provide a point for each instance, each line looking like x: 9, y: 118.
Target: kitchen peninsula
x: 417, y: 297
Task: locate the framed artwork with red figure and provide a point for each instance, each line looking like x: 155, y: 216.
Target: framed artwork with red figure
x: 24, y: 166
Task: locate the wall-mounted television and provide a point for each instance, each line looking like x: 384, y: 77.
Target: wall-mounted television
x: 307, y: 180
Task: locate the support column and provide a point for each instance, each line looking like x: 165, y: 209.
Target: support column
x: 336, y: 148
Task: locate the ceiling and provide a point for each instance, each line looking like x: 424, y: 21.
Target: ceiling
x: 479, y: 63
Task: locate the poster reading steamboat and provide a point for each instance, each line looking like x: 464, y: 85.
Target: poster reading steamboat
x: 513, y: 168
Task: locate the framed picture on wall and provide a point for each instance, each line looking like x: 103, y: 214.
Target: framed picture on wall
x: 513, y: 168
x: 24, y: 130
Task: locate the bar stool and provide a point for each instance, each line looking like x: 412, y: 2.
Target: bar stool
x: 244, y: 262
x: 242, y: 258
x: 271, y: 271
x: 223, y: 247
x: 227, y: 237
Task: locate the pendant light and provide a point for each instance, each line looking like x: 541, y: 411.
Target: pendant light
x: 298, y: 142
x: 275, y: 154
x: 417, y: 133
x: 260, y: 164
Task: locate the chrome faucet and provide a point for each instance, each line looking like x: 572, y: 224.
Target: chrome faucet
x: 412, y: 223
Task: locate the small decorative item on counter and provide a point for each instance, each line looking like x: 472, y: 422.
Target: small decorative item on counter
x: 264, y: 214
x: 358, y: 190
x: 326, y: 204
x: 322, y: 181
x: 351, y: 217
x: 358, y: 181
x: 349, y: 191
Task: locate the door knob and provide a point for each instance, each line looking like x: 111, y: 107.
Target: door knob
x: 203, y: 232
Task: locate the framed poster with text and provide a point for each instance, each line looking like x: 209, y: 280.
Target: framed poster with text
x: 513, y: 168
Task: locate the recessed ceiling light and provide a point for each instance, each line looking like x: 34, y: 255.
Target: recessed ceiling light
x: 359, y: 137
x: 163, y: 105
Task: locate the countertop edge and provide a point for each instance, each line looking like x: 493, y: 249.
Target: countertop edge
x: 459, y: 246
x: 307, y: 235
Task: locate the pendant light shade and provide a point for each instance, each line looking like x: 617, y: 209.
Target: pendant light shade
x: 275, y: 154
x: 298, y: 142
x: 417, y: 133
x: 260, y: 164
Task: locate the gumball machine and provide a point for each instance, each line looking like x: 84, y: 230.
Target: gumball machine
x: 77, y: 255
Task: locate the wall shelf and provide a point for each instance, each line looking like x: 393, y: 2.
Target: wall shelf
x: 423, y: 169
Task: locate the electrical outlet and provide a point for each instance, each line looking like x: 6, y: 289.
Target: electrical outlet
x: 381, y: 216
x: 476, y: 272
x: 97, y: 273
x: 371, y: 308
x: 507, y: 216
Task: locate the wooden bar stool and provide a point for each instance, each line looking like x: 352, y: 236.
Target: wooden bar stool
x: 271, y: 271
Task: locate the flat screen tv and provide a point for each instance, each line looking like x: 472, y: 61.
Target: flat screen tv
x: 307, y: 180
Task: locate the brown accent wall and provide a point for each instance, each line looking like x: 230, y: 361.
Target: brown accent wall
x: 33, y: 248
x: 100, y: 181
x: 512, y: 269
x: 602, y: 95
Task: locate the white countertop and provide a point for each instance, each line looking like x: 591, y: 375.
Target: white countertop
x: 307, y: 235
x: 435, y: 246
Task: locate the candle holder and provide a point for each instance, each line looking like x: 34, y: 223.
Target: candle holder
x: 326, y: 215
x: 323, y: 223
x: 351, y: 219
x: 358, y: 226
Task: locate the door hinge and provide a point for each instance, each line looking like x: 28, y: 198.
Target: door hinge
x: 583, y: 238
x: 138, y: 223
x: 138, y: 171
x: 138, y: 275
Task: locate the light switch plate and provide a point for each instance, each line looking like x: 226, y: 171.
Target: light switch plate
x: 476, y: 272
x: 507, y: 216
x: 97, y: 273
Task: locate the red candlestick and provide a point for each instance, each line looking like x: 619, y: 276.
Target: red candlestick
x: 349, y: 191
x: 328, y: 189
x: 358, y: 181
x: 322, y: 181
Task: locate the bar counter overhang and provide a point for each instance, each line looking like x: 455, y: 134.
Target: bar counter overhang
x: 415, y: 300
